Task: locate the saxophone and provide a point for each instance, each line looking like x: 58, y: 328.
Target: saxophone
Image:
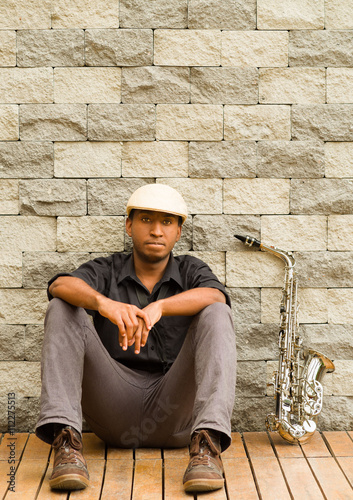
x: 297, y: 382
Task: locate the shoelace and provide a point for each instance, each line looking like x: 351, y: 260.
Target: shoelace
x: 68, y: 444
x: 204, y: 445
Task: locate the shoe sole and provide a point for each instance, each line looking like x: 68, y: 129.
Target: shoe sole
x: 69, y: 482
x: 203, y: 484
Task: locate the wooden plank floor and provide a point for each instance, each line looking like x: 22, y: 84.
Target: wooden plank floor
x: 257, y: 466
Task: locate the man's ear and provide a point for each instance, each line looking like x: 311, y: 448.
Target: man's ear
x: 128, y: 225
x: 179, y: 233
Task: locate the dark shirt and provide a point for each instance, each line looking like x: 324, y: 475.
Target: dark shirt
x: 115, y: 277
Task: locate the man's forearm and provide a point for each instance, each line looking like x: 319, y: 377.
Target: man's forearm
x: 76, y: 292
x: 191, y: 302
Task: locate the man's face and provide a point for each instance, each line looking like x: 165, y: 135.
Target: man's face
x: 154, y: 234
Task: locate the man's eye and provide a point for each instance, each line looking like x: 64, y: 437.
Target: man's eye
x: 167, y: 222
x: 145, y: 219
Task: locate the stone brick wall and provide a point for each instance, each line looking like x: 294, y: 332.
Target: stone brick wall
x: 246, y: 107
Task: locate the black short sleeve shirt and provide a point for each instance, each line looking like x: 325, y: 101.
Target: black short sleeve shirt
x: 115, y: 277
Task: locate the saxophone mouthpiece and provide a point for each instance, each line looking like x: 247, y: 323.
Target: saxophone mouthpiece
x: 249, y: 241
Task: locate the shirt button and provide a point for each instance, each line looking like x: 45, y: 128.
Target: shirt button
x: 152, y: 347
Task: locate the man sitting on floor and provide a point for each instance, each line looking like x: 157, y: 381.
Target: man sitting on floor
x: 157, y: 366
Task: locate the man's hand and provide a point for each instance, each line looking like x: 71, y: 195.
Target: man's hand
x: 139, y: 338
x: 134, y: 324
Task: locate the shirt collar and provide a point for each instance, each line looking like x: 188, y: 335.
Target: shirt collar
x: 171, y: 273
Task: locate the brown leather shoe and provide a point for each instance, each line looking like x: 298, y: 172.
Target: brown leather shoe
x: 205, y: 469
x: 70, y: 468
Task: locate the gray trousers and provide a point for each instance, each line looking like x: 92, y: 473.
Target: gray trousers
x: 132, y: 408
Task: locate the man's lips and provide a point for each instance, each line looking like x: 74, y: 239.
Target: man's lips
x: 155, y: 243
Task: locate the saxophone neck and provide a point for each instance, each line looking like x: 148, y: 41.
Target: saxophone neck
x: 250, y: 241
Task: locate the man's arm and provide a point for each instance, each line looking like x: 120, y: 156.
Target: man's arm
x: 186, y: 303
x: 127, y: 317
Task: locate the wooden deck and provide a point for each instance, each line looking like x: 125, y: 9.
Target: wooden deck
x: 257, y: 465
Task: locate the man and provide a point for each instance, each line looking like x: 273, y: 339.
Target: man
x: 157, y: 367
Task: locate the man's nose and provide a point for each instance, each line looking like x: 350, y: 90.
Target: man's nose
x: 157, y: 228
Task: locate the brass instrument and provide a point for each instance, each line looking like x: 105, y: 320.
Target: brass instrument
x: 297, y: 382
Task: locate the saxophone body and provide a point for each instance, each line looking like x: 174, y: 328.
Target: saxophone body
x: 297, y: 381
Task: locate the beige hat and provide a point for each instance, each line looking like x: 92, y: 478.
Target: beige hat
x: 159, y: 198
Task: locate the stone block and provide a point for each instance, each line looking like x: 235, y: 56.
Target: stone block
x: 189, y: 122
x: 245, y: 305
x: 21, y: 14
x: 324, y: 269
x: 334, y: 341
x: 50, y: 48
x: 90, y: 234
x: 228, y: 14
x: 340, y: 237
x: 27, y: 411
x: 53, y: 197
x: 26, y: 85
x: 253, y: 269
x: 87, y: 159
x: 20, y: 377
x: 110, y: 197
x: 155, y: 159
x: 152, y: 84
x: 331, y: 417
x: 257, y: 122
x: 33, y: 342
x: 12, y: 338
x: 185, y: 242
x: 156, y: 14
x: 295, y: 232
x: 40, y: 267
x: 10, y: 269
x: 339, y: 85
x: 249, y: 413
x: 287, y: 15
x: 26, y: 159
x: 121, y: 122
x: 290, y: 159
x: 87, y: 85
x: 27, y: 234
x: 82, y: 14
x: 321, y: 196
x: 292, y: 85
x: 222, y: 159
x: 7, y: 48
x: 340, y: 310
x: 113, y: 47
x: 342, y: 380
x: 215, y: 260
x: 216, y: 232
x: 256, y: 341
x: 22, y: 307
x: 53, y: 122
x: 338, y: 159
x: 256, y: 196
x: 9, y: 197
x: 312, y: 305
x: 255, y: 48
x: 202, y: 196
x: 251, y: 378
x: 9, y: 129
x: 187, y: 47
x: 328, y: 122
x: 321, y: 48
x: 339, y: 14
x: 224, y: 85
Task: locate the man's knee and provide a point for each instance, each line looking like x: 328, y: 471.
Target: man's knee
x: 217, y: 313
x: 60, y: 311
